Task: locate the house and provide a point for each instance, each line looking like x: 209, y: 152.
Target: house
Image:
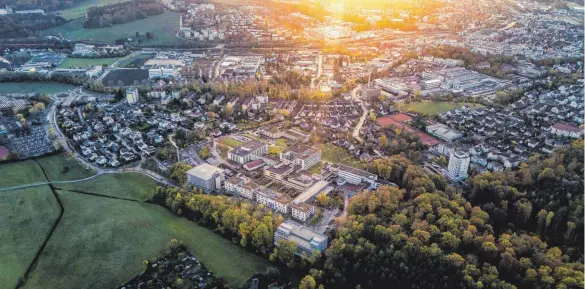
x: 561, y: 129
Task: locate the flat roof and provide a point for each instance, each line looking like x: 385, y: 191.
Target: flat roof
x: 355, y: 171
x: 311, y: 191
x: 204, y: 171
x: 300, y: 234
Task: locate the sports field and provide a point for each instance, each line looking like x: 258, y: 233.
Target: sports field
x: 34, y: 87
x: 87, y: 62
x: 433, y: 108
x: 26, y: 217
x: 163, y: 26
x: 79, y: 10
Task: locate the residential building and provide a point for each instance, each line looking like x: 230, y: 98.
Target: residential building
x: 307, y: 240
x: 132, y: 95
x: 566, y: 130
x: 458, y: 165
x: 206, y: 177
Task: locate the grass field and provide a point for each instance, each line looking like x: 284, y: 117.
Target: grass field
x: 102, y: 242
x: 136, y: 61
x: 163, y: 26
x: 26, y: 217
x: 230, y: 142
x: 124, y: 185
x: 20, y: 173
x: 334, y: 154
x: 62, y: 168
x: 34, y: 87
x: 79, y: 10
x: 87, y: 62
x: 433, y: 108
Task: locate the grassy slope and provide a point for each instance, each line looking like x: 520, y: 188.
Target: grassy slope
x: 26, y: 217
x: 163, y: 26
x: 79, y: 10
x: 34, y: 87
x: 433, y: 108
x: 20, y: 173
x: 54, y: 165
x: 334, y: 154
x: 86, y: 62
x: 102, y: 242
x: 123, y: 185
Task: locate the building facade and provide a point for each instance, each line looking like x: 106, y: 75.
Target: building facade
x: 458, y: 165
x: 206, y: 177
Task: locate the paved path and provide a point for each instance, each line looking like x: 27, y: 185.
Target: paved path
x: 356, y: 131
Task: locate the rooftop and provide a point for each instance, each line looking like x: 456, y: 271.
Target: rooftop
x: 204, y: 171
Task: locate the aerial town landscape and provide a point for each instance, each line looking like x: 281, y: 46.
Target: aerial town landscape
x: 292, y: 144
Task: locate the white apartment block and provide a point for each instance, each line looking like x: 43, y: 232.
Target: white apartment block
x: 458, y: 165
x: 247, y: 152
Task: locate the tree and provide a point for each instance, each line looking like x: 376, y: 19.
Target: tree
x: 204, y: 153
x: 372, y: 116
x: 308, y: 282
x: 179, y: 172
x: 383, y: 140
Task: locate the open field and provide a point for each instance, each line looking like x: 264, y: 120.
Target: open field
x: 334, y: 154
x: 26, y: 217
x: 230, y: 142
x: 433, y: 108
x: 123, y: 185
x: 86, y: 62
x: 135, y: 61
x: 102, y: 243
x: 163, y: 26
x: 34, y: 87
x: 20, y: 173
x: 62, y: 168
x: 79, y: 10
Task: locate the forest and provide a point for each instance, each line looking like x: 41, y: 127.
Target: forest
x: 124, y: 12
x: 47, y: 5
x: 26, y: 25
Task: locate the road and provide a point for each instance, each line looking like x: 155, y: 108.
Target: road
x: 356, y: 131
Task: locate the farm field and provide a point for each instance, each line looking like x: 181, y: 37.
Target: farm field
x: 434, y: 108
x: 123, y: 185
x: 20, y: 173
x: 102, y: 243
x: 62, y: 168
x: 163, y: 26
x: 86, y: 62
x: 126, y: 77
x: 135, y: 61
x: 34, y: 87
x: 26, y: 218
x: 79, y: 10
